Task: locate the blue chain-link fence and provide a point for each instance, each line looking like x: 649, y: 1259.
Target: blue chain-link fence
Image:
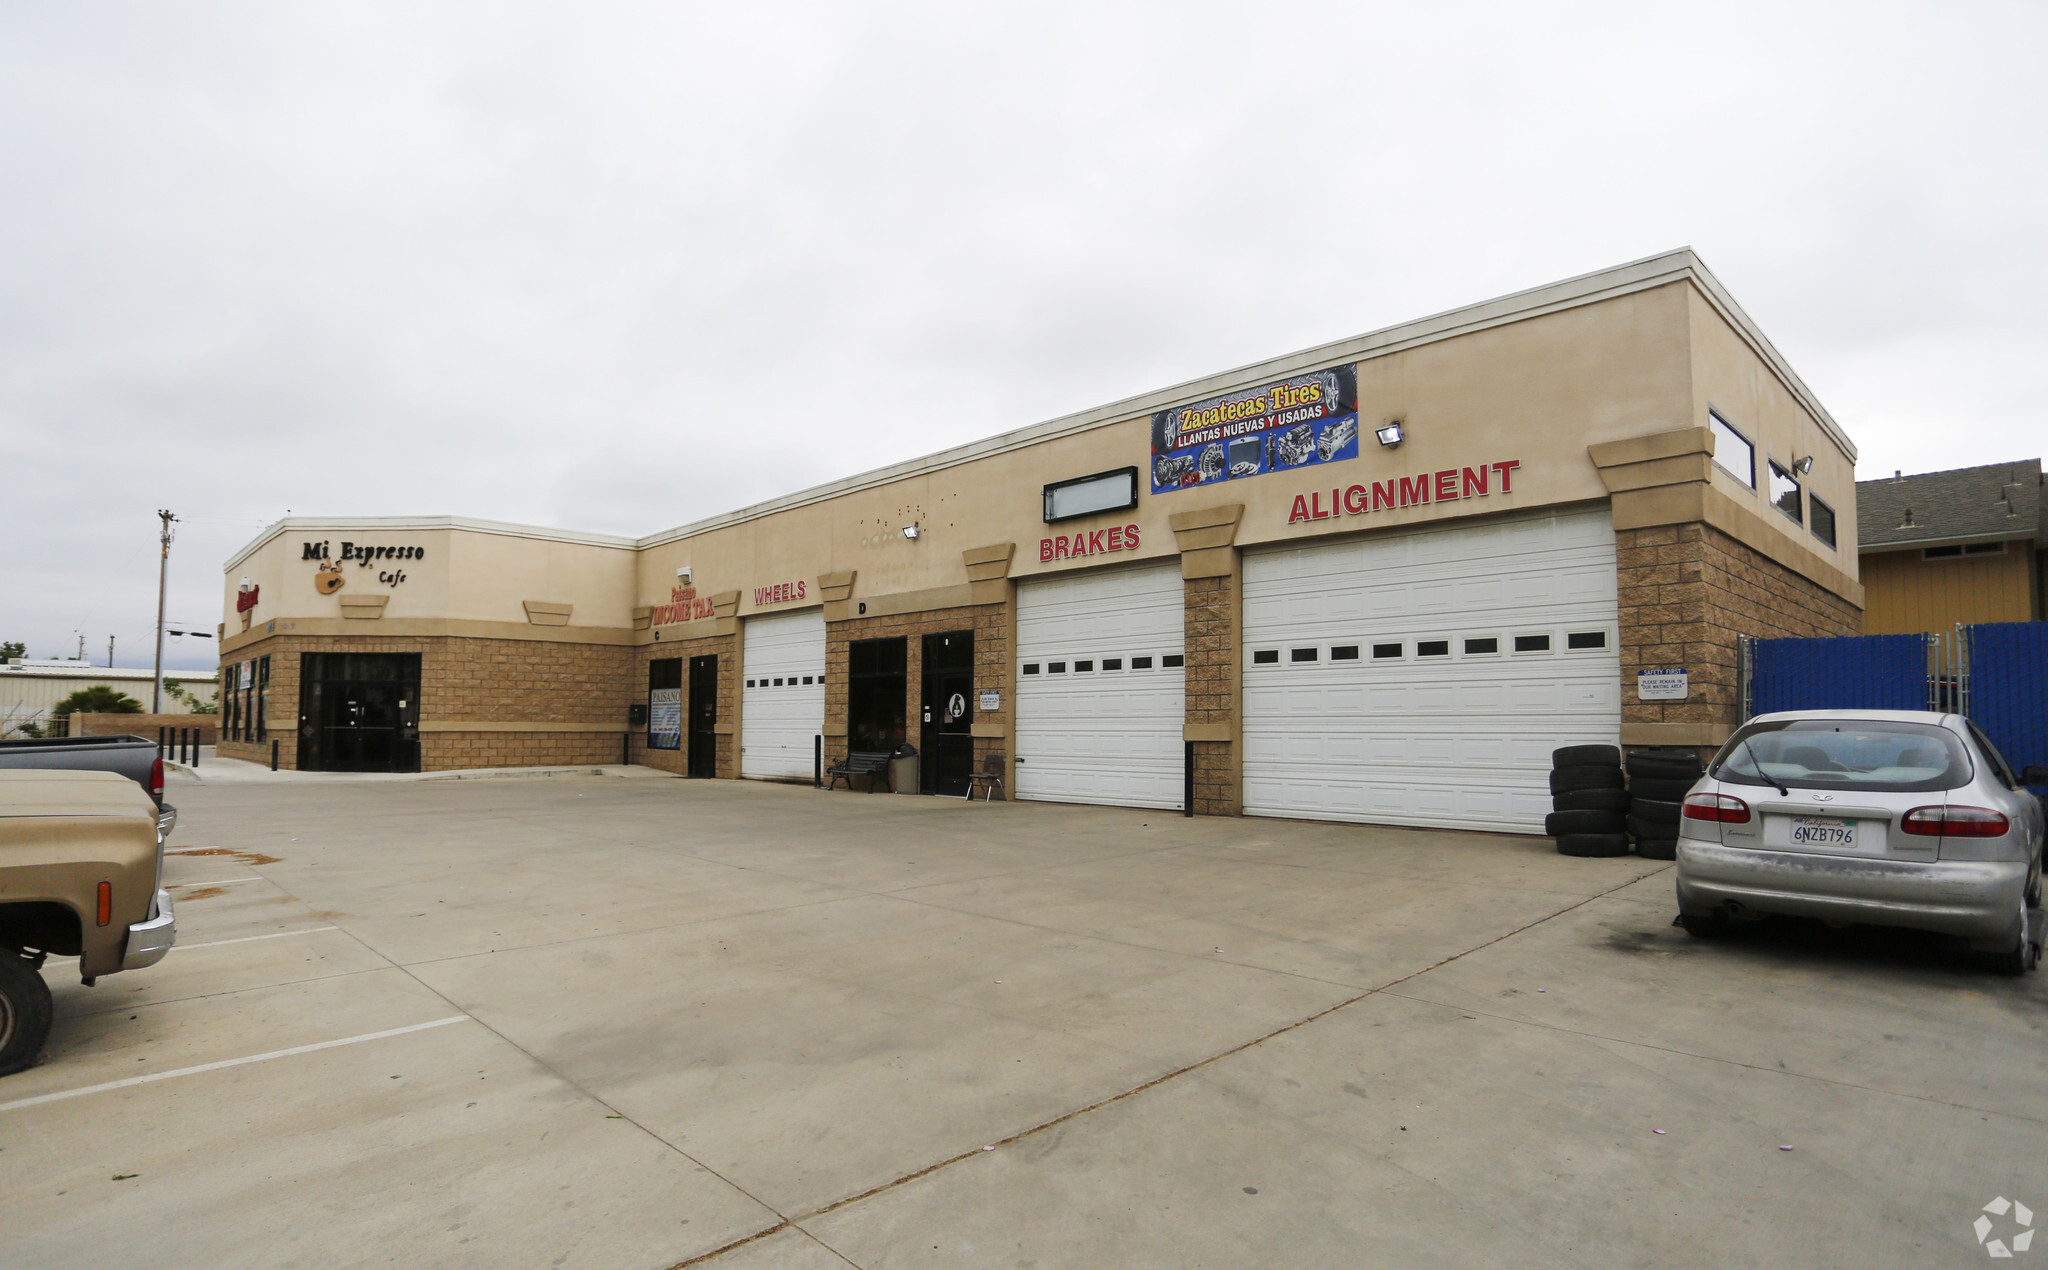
x: 1996, y: 673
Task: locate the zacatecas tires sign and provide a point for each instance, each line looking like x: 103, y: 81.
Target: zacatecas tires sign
x: 1278, y: 427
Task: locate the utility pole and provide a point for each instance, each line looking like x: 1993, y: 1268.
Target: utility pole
x: 81, y: 646
x: 110, y: 652
x: 163, y: 566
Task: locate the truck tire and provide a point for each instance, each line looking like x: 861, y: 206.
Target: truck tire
x: 1663, y: 791
x: 1666, y: 764
x: 1586, y: 756
x: 1652, y: 812
x: 1593, y: 844
x: 1564, y: 822
x: 1563, y: 780
x: 1657, y: 848
x: 1590, y: 800
x: 24, y: 1014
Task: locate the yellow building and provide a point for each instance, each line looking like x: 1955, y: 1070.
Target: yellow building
x: 1942, y: 548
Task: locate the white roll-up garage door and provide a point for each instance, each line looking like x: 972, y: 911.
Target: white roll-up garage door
x: 1100, y: 687
x: 1424, y: 678
x: 782, y: 698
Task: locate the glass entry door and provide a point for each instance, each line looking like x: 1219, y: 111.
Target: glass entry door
x: 947, y: 739
x: 359, y: 712
x: 704, y: 716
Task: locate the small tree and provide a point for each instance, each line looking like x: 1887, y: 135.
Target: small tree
x: 98, y: 699
x: 12, y: 649
x: 193, y: 702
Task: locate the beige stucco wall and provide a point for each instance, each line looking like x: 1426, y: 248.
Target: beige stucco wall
x: 1533, y: 386
x: 1730, y: 379
x: 464, y: 575
x: 1536, y: 392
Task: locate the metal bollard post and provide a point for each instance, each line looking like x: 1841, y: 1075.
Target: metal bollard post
x: 818, y: 762
x: 197, y: 737
x: 160, y: 731
x: 273, y: 755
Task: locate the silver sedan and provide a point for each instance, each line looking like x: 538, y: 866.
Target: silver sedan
x: 1886, y: 817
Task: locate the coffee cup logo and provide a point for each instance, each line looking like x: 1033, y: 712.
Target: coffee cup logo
x: 328, y: 577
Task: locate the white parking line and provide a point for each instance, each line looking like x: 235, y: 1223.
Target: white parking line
x: 250, y: 939
x: 62, y: 1094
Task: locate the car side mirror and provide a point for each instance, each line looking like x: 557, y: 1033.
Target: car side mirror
x: 2034, y: 776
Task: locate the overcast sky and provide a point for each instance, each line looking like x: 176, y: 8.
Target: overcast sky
x: 615, y: 267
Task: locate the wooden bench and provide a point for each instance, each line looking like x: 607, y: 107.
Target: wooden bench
x: 868, y: 763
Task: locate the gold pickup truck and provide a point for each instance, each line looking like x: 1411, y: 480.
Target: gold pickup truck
x: 81, y: 875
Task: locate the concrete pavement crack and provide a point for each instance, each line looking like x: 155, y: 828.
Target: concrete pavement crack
x: 1189, y: 1068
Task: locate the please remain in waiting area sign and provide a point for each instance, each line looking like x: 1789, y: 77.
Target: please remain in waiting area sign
x: 1667, y: 684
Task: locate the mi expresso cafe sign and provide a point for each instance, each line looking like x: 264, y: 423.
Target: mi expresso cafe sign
x: 329, y: 578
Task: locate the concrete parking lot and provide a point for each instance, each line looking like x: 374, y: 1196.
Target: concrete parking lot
x: 589, y: 1021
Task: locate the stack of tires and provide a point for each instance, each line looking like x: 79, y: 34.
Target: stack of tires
x: 1657, y: 784
x: 1589, y: 801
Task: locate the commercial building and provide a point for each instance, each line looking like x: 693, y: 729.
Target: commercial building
x: 31, y: 687
x: 1947, y: 548
x: 1377, y: 580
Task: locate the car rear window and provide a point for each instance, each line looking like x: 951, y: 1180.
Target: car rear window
x: 1874, y: 755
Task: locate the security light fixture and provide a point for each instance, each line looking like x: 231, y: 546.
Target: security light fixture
x: 911, y: 531
x: 683, y: 575
x: 1390, y: 436
x: 1803, y: 466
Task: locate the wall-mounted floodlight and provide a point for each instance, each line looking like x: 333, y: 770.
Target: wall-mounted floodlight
x: 1803, y: 466
x: 911, y: 531
x: 1390, y: 436
x: 683, y: 575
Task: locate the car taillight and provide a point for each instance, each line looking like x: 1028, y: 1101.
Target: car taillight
x: 1955, y: 822
x: 1720, y: 807
x: 156, y: 777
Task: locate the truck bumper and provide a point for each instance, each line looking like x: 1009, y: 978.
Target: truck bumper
x: 166, y: 820
x: 149, y: 941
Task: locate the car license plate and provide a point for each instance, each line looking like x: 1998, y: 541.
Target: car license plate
x: 1822, y: 831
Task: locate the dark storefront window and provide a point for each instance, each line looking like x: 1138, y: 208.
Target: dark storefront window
x: 262, y: 716
x: 665, y: 704
x: 877, y: 684
x: 228, y: 702
x: 358, y: 712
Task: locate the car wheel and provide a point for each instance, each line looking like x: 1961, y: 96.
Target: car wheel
x: 2021, y: 956
x: 24, y: 1013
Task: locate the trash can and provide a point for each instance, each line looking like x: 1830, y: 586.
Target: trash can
x: 903, y: 769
